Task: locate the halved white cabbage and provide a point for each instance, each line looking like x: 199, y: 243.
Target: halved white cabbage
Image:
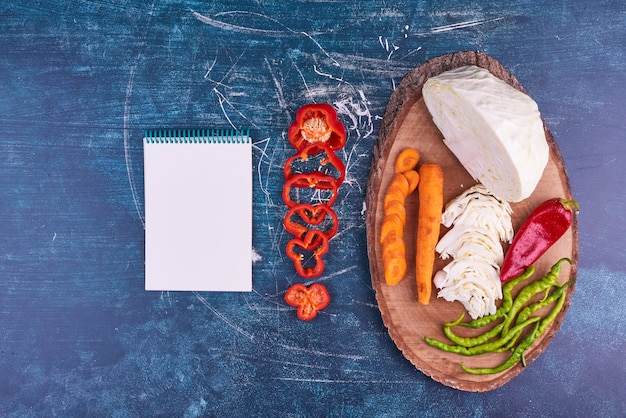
x: 494, y: 130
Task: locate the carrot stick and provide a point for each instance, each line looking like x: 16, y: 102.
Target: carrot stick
x: 430, y: 195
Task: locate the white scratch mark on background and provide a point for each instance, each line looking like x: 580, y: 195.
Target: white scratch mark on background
x: 330, y: 76
x: 460, y: 25
x: 343, y: 381
x: 244, y: 29
x: 326, y: 277
x: 377, y: 66
x: 166, y: 296
x: 279, y: 90
x: 256, y: 256
x: 221, y: 99
x: 126, y: 125
x: 264, y: 157
x: 322, y: 353
x: 126, y: 129
x: 222, y: 317
x: 210, y: 68
x: 385, y: 46
x: 287, y: 32
x: 358, y: 113
x: 306, y: 86
x: 356, y: 110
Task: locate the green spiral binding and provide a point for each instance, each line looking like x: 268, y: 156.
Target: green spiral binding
x: 196, y: 136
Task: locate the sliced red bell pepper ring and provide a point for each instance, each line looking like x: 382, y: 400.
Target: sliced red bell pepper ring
x: 317, y: 124
x: 328, y: 162
x: 306, y: 253
x: 309, y: 301
x: 306, y: 216
x: 319, y: 181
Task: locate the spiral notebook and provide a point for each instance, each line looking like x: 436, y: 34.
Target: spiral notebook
x: 198, y: 210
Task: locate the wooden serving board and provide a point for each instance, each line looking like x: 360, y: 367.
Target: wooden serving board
x: 407, y: 123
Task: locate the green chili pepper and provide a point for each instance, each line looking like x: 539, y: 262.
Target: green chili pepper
x: 530, y: 290
x: 545, y: 322
x: 485, y: 347
x: 510, y: 344
x: 472, y: 341
x: 455, y: 323
x: 557, y: 295
x: 517, y: 355
x: 525, y: 313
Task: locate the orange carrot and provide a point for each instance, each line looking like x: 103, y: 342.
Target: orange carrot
x: 394, y: 262
x: 394, y: 193
x: 413, y: 178
x: 393, y: 242
x: 406, y: 160
x: 398, y: 208
x: 430, y: 191
x: 401, y: 182
x: 391, y: 225
x: 391, y: 231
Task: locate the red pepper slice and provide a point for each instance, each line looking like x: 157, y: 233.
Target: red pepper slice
x: 306, y: 253
x: 545, y: 225
x: 309, y: 301
x: 328, y: 161
x: 305, y: 216
x: 318, y: 181
x: 317, y: 124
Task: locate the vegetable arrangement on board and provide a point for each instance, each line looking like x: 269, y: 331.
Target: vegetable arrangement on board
x: 312, y: 179
x: 496, y: 133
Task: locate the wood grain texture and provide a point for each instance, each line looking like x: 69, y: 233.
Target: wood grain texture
x: 407, y: 123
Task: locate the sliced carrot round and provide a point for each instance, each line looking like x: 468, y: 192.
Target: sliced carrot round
x: 391, y: 224
x: 401, y: 182
x: 394, y: 267
x: 393, y: 193
x: 393, y: 242
x: 413, y: 178
x: 398, y: 208
x: 406, y: 160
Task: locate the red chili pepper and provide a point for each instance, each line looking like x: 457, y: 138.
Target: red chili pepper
x: 309, y: 301
x: 545, y: 225
x: 323, y: 155
x: 303, y: 216
x: 307, y: 252
x: 317, y: 124
x: 319, y: 181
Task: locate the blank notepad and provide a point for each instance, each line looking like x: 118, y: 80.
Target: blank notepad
x: 198, y: 208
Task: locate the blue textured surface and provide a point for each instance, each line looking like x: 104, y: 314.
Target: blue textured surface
x: 81, y: 81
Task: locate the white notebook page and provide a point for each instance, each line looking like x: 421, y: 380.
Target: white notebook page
x: 198, y: 212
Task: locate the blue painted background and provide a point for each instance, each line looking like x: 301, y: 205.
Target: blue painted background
x: 81, y: 80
